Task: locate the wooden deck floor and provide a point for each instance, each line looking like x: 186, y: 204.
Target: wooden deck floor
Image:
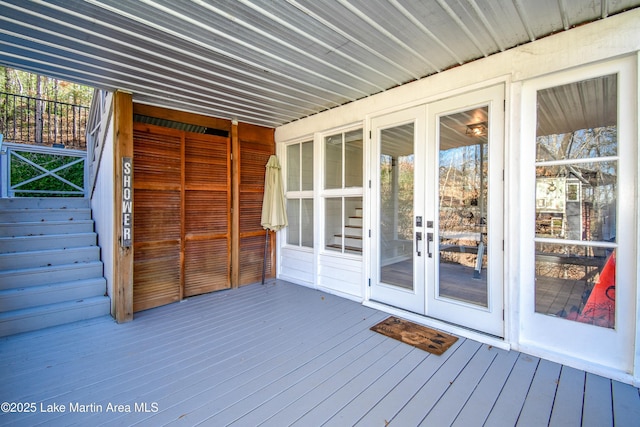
x: 279, y: 355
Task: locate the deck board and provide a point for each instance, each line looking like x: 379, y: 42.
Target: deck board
x: 452, y: 401
x: 598, y: 407
x: 626, y: 404
x: 567, y: 407
x: 477, y: 408
x: 282, y: 354
x: 537, y: 407
x: 507, y: 407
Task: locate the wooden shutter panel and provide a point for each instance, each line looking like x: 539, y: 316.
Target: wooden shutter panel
x: 207, y: 251
x: 157, y: 213
x: 256, y: 144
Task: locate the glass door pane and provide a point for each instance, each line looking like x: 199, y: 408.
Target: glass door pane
x: 576, y: 201
x: 462, y: 227
x: 396, y: 206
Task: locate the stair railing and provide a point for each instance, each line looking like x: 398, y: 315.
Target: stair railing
x: 98, y: 129
x: 37, y: 171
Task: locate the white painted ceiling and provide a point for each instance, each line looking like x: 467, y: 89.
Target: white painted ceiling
x: 270, y: 62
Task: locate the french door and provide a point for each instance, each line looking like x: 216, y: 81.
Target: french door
x: 464, y: 206
x: 398, y: 264
x: 437, y: 214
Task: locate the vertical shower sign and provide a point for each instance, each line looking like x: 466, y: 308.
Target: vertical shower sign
x: 127, y: 202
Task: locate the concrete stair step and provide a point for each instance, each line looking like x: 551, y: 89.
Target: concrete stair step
x: 353, y: 241
x: 354, y: 221
x: 25, y: 277
x: 41, y: 215
x: 29, y: 319
x: 44, y: 203
x: 50, y: 267
x: 347, y: 249
x: 49, y: 257
x: 11, y: 229
x: 353, y: 230
x: 21, y: 298
x: 49, y: 241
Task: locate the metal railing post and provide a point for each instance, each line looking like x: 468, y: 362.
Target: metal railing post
x: 4, y: 170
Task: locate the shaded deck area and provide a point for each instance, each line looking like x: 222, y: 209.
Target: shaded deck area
x: 280, y: 355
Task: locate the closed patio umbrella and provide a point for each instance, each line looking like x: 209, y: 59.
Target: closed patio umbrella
x: 274, y: 212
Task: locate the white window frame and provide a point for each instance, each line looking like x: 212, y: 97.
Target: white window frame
x: 543, y: 335
x: 341, y: 193
x: 300, y: 194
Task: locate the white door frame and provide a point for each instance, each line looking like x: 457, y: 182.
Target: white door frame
x: 606, y: 351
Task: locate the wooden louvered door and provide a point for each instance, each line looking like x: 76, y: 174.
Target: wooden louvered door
x: 182, y: 199
x: 255, y: 145
x: 157, y: 201
x: 207, y: 220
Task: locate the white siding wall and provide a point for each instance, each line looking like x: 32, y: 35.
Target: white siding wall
x: 591, y: 43
x: 297, y: 266
x: 102, y: 207
x: 340, y: 275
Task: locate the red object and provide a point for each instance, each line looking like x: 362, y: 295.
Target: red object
x: 600, y: 308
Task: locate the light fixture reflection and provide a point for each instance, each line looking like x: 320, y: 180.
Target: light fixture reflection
x: 477, y: 129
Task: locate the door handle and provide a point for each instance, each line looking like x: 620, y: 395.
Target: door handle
x: 429, y: 240
x: 418, y: 240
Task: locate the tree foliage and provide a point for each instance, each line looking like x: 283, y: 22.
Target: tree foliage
x: 38, y: 86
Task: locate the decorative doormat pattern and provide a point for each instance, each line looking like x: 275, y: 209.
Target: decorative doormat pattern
x: 419, y: 336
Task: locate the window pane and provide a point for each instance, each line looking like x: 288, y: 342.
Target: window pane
x: 577, y: 201
x: 307, y: 166
x: 353, y: 225
x: 293, y: 217
x: 396, y: 206
x: 577, y: 120
x: 333, y: 223
x: 293, y: 167
x: 333, y: 161
x: 353, y: 159
x: 462, y: 206
x: 576, y: 283
x: 306, y: 223
x: 581, y: 144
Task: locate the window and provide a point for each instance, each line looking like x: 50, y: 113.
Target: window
x: 300, y: 194
x: 576, y: 201
x: 343, y: 191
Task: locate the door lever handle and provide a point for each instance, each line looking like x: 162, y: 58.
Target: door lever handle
x: 429, y: 240
x: 418, y: 240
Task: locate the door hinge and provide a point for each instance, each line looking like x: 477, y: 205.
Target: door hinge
x: 369, y: 183
x: 369, y: 232
x: 504, y: 105
x: 369, y: 134
x: 369, y: 282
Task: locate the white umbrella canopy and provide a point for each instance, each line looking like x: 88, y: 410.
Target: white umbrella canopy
x: 274, y: 211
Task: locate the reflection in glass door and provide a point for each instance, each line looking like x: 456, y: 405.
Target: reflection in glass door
x: 396, y: 206
x: 397, y: 253
x: 462, y: 206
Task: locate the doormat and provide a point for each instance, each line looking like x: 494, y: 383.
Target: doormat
x: 419, y: 336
